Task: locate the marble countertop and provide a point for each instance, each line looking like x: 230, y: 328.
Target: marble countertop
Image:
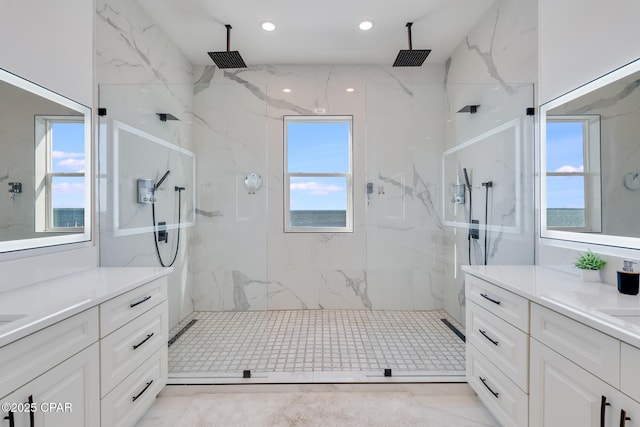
x: 587, y: 302
x: 45, y: 303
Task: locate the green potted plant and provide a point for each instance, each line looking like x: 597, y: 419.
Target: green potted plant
x: 590, y: 264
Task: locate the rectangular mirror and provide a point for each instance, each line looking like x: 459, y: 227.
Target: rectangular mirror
x: 590, y: 162
x: 45, y: 167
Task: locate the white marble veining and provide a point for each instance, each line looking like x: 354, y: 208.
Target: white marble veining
x: 45, y: 303
x: 434, y: 405
x: 567, y: 294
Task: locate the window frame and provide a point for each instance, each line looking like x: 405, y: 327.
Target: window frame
x: 288, y: 228
x: 45, y: 175
x: 590, y: 172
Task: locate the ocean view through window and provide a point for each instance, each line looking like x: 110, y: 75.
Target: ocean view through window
x: 318, y: 175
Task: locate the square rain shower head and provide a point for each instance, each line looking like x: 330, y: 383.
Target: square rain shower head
x: 228, y: 59
x: 411, y: 57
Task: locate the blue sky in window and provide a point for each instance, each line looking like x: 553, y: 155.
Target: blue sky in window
x: 564, y: 154
x: 68, y: 156
x: 318, y: 147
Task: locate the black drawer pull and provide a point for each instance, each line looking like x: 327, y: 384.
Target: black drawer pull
x: 143, y: 341
x: 12, y: 422
x: 603, y: 409
x: 623, y: 418
x: 32, y: 420
x: 484, y: 381
x: 484, y: 334
x: 490, y: 299
x: 147, y: 298
x: 134, y: 398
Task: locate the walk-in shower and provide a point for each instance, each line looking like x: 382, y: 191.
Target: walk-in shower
x: 251, y: 302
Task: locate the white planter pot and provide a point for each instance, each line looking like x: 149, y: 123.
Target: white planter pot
x: 591, y: 276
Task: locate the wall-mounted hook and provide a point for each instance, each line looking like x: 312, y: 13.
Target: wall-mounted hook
x: 253, y: 182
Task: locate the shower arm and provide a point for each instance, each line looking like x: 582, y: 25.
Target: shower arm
x: 409, y: 24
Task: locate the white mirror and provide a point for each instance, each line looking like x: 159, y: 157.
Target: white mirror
x: 589, y: 156
x: 45, y: 167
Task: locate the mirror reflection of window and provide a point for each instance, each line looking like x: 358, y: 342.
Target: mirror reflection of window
x: 60, y: 161
x: 573, y: 173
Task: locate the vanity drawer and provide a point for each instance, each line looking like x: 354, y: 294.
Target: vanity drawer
x: 505, y: 400
x: 122, y: 309
x: 128, y: 347
x: 596, y: 352
x: 504, y: 344
x: 28, y: 357
x: 504, y: 304
x: 126, y: 403
x: 630, y: 371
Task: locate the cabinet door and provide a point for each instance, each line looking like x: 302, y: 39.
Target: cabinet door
x: 65, y: 396
x: 563, y: 394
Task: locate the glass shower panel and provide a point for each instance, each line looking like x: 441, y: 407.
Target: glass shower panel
x: 417, y: 147
x: 211, y: 139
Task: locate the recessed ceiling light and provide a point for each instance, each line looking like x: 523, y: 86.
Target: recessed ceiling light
x: 366, y: 25
x: 286, y: 90
x: 350, y: 89
x: 268, y: 26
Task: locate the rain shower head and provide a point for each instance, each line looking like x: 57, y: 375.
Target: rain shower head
x: 229, y: 58
x: 410, y: 57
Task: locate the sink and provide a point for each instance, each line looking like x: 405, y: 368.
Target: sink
x: 8, y: 318
x: 631, y: 315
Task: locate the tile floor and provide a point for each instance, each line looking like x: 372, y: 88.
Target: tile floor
x: 312, y: 341
x: 353, y: 405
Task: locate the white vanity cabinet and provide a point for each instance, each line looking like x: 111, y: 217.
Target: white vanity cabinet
x: 497, y: 325
x: 133, y: 352
x: 575, y: 375
x: 540, y: 360
x: 55, y: 372
x: 65, y: 396
x: 563, y: 394
x: 95, y: 356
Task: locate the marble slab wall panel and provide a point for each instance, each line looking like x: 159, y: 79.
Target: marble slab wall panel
x: 229, y: 246
x: 134, y: 143
x: 500, y: 50
x: 314, y: 270
x: 131, y: 49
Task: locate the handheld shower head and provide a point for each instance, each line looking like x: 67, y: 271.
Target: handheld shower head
x: 159, y: 183
x: 466, y: 178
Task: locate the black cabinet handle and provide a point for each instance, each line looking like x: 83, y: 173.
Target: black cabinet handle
x: 485, y: 296
x: 134, y: 398
x: 484, y: 334
x: 12, y: 422
x: 623, y: 418
x: 147, y: 298
x: 603, y: 409
x: 143, y: 341
x: 32, y: 414
x: 484, y: 381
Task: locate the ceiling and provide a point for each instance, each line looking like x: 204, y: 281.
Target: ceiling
x: 316, y: 32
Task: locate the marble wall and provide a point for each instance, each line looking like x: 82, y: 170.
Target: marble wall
x: 495, y: 67
x: 401, y: 255
x: 141, y: 73
x: 241, y: 257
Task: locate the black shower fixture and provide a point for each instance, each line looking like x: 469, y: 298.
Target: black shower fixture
x: 410, y: 57
x: 469, y: 109
x: 229, y: 58
x: 166, y: 116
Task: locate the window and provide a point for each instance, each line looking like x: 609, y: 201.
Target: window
x: 318, y: 176
x: 60, y: 179
x: 573, y: 173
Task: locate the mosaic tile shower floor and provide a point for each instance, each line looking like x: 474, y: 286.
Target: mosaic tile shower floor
x: 317, y: 341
